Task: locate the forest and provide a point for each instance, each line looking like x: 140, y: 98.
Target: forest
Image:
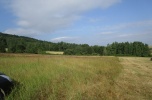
x: 20, y: 44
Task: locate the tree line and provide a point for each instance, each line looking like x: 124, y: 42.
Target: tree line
x: 128, y: 49
x: 21, y: 44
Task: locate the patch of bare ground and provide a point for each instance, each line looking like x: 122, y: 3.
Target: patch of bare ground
x: 135, y: 80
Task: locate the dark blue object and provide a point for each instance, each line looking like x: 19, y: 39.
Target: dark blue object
x: 6, y: 84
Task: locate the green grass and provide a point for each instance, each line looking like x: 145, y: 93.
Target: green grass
x: 43, y: 77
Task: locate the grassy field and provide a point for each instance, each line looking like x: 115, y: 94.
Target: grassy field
x: 135, y: 80
x: 43, y: 77
x: 150, y: 46
x: 55, y: 52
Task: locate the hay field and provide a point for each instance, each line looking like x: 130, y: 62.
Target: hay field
x: 55, y: 52
x: 135, y: 80
x: 43, y: 77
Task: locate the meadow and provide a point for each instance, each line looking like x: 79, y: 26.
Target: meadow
x: 55, y: 52
x: 58, y: 77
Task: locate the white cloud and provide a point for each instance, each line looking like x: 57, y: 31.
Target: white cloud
x: 23, y: 23
x: 23, y: 32
x: 125, y: 35
x: 107, y: 33
x: 94, y: 20
x: 131, y: 31
x: 143, y: 37
x: 131, y: 25
x: 64, y: 39
x: 50, y: 15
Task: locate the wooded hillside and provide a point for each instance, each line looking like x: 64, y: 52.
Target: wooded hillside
x: 20, y: 44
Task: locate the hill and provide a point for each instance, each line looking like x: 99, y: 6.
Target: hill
x: 21, y: 44
x: 28, y: 39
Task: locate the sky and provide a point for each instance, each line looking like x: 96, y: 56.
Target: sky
x: 93, y: 22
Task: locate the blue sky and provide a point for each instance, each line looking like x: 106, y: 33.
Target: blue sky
x: 95, y: 22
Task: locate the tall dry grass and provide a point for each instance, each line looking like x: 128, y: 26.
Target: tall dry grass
x: 61, y: 77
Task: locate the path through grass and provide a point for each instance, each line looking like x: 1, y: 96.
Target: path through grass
x: 135, y: 80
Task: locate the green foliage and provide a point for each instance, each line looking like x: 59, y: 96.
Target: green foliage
x: 20, y: 44
x: 84, y: 49
x: 128, y: 49
x: 2, y: 44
